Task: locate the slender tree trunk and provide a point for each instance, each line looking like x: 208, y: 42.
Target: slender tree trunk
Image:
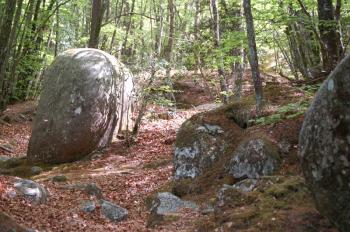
x: 253, y: 56
x: 159, y: 42
x: 57, y: 39
x: 96, y: 22
x: 13, y: 35
x: 221, y: 71
x: 169, y: 48
x: 5, y: 33
x: 239, y: 65
x: 328, y: 33
x: 128, y: 29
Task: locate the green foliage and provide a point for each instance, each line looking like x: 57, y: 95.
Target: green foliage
x: 289, y: 111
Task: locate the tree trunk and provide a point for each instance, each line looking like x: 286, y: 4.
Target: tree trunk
x: 5, y: 33
x: 221, y: 71
x: 253, y: 56
x: 169, y: 48
x: 57, y: 29
x: 96, y: 22
x: 128, y: 28
x: 328, y: 33
x: 238, y: 66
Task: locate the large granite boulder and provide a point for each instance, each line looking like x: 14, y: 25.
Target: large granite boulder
x: 325, y: 147
x: 201, y: 141
x: 253, y: 158
x: 84, y: 95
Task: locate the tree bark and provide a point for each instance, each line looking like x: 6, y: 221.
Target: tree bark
x: 96, y: 22
x: 5, y: 33
x: 221, y: 71
x: 253, y: 56
x: 328, y: 33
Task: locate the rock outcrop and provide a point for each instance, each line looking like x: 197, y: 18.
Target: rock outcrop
x: 85, y: 95
x: 325, y: 147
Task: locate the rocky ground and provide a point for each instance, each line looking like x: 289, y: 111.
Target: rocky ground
x: 131, y: 177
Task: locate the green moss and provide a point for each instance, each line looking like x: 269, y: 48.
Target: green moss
x: 20, y: 167
x: 158, y: 163
x: 156, y: 220
x: 289, y: 186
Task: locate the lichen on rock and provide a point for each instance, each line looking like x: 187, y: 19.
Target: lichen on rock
x: 325, y: 147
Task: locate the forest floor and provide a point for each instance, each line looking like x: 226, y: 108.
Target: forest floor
x: 127, y: 175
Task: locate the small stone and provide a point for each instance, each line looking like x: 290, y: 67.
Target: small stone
x: 284, y: 146
x: 4, y: 158
x: 31, y: 190
x: 246, y: 185
x: 112, y: 211
x: 167, y: 203
x: 35, y: 170
x: 88, y: 206
x: 208, y: 209
x: 59, y: 178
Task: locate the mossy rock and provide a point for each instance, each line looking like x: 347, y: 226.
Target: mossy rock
x: 202, y: 141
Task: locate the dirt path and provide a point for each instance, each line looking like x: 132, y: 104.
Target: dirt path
x: 125, y: 175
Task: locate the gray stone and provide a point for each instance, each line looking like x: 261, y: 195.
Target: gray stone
x: 35, y: 170
x: 79, y: 106
x: 167, y: 204
x: 284, y: 146
x: 246, y: 185
x: 4, y: 158
x: 87, y: 206
x: 253, y: 158
x: 112, y: 211
x: 32, y: 190
x: 221, y: 195
x: 207, y: 209
x: 324, y: 147
x: 211, y: 129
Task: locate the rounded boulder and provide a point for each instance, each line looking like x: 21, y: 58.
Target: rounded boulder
x: 79, y: 106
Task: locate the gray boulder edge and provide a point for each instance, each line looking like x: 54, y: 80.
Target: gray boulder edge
x: 324, y: 147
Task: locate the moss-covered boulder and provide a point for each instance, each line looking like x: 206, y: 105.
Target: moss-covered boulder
x: 201, y: 141
x: 325, y: 147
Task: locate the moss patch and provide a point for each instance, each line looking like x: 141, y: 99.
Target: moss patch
x: 20, y: 167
